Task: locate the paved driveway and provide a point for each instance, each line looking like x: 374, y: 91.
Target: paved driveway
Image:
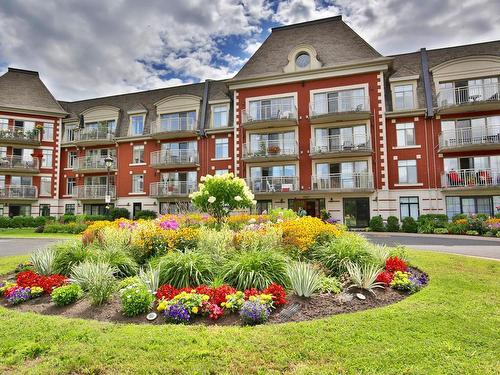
x: 18, y: 246
x: 464, y: 245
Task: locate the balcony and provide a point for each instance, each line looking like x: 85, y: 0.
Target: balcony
x: 18, y: 192
x: 471, y: 179
x: 92, y: 164
x: 13, y: 136
x: 13, y: 163
x: 336, y: 145
x: 470, y: 139
x: 270, y: 116
x: 174, y: 159
x: 270, y: 150
x: 271, y: 184
x: 93, y: 192
x: 172, y: 189
x: 91, y: 137
x: 341, y: 108
x: 470, y: 98
x: 343, y: 182
x: 171, y: 128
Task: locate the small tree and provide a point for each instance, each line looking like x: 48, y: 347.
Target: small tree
x: 219, y: 195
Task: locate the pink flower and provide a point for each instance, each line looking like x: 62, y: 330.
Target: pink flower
x: 169, y: 225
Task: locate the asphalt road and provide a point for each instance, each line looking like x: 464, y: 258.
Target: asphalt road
x: 479, y: 247
x: 18, y: 246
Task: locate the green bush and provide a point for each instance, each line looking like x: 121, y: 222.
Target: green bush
x: 117, y: 258
x: 82, y: 218
x: 427, y: 223
x: 409, y: 225
x: 118, y: 213
x: 392, y: 224
x: 458, y: 217
x: 66, y: 294
x: 128, y: 281
x: 135, y: 299
x: 304, y: 278
x: 376, y: 224
x: 67, y: 218
x: 329, y: 284
x: 145, y: 214
x: 281, y: 213
x: 441, y: 231
x: 401, y: 252
x: 185, y: 269
x: 97, y: 279
x: 67, y: 255
x: 255, y: 269
x: 472, y: 233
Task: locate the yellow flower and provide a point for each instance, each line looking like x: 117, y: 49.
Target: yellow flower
x: 205, y: 297
x: 195, y: 310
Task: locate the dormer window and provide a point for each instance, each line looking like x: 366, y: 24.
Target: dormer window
x: 303, y: 60
x: 137, y: 124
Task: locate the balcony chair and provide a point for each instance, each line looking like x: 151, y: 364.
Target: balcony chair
x: 454, y: 179
x: 270, y: 187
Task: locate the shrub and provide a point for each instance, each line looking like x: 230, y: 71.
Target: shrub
x: 125, y: 266
x: 458, y: 217
x: 379, y: 253
x: 150, y: 277
x: 185, y: 269
x: 217, y: 243
x: 409, y: 225
x: 145, y: 215
x: 400, y: 252
x: 328, y: 284
x: 280, y: 214
x: 253, y: 312
x: 440, y: 231
x: 304, y: 278
x: 118, y: 213
x: 128, y: 281
x: 67, y: 255
x: 66, y: 294
x: 364, y: 277
x: 43, y: 261
x: 376, y: 224
x: 349, y: 247
x: 96, y: 278
x: 427, y: 223
x: 135, y: 299
x: 255, y: 269
x: 67, y: 218
x: 472, y: 233
x: 392, y: 224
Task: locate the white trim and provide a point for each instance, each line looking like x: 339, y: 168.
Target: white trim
x: 406, y: 147
x: 211, y: 122
x: 136, y: 164
x: 219, y: 101
x: 137, y: 112
x: 27, y: 118
x: 403, y: 185
x: 221, y: 159
x: 406, y: 78
x: 413, y: 83
x: 138, y: 193
x: 384, y: 173
x: 363, y: 86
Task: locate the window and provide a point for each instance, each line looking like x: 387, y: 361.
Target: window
x: 403, y: 97
x: 69, y: 132
x: 405, y: 134
x: 303, y: 60
x: 2, y: 181
x: 178, y: 121
x: 221, y: 148
x: 3, y: 152
x: 44, y: 210
x: 469, y: 205
x: 339, y: 101
x: 70, y: 185
x: 47, y: 159
x: 45, y: 185
x: 4, y: 124
x: 220, y: 116
x: 408, y: 207
x: 407, y: 170
x: 137, y: 183
x: 21, y: 180
x: 48, y: 131
x: 69, y: 209
x: 219, y: 172
x: 271, y: 109
x: 263, y: 207
x: 71, y: 159
x: 137, y: 125
x: 138, y: 154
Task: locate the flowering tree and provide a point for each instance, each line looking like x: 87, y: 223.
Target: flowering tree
x: 221, y: 194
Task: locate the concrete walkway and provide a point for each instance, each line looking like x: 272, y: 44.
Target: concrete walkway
x: 19, y: 246
x: 485, y: 247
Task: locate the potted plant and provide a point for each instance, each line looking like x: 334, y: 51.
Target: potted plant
x: 273, y: 150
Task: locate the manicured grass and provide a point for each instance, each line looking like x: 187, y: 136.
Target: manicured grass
x: 30, y: 233
x: 449, y: 327
x: 8, y: 264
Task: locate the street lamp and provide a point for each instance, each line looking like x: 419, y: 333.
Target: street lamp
x: 108, y: 162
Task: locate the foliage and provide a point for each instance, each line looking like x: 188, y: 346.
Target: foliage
x: 145, y: 214
x: 128, y: 281
x: 185, y: 269
x: 427, y: 223
x: 440, y: 231
x: 304, y: 278
x: 217, y: 243
x: 261, y: 237
x: 472, y: 233
x: 71, y: 227
x: 23, y: 221
x: 364, y: 277
x: 150, y: 277
x: 328, y: 284
x: 234, y: 301
x: 66, y: 294
x: 392, y: 224
x: 118, y: 213
x: 376, y: 224
x: 409, y: 225
x: 43, y: 260
x: 379, y: 253
x: 96, y: 278
x: 24, y: 266
x: 253, y: 312
x: 135, y: 299
x: 281, y: 214
x: 67, y: 255
x: 219, y: 195
x: 401, y: 252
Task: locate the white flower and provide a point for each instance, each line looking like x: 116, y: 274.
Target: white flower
x: 254, y: 202
x: 237, y: 198
x: 202, y: 178
x: 211, y: 199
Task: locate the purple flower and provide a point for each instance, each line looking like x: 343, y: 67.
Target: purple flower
x: 169, y: 225
x: 19, y: 295
x: 253, y: 312
x: 177, y: 313
x: 331, y: 220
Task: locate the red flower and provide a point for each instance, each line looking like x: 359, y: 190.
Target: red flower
x: 220, y: 293
x: 394, y: 264
x: 214, y: 312
x: 385, y: 277
x: 167, y: 292
x: 251, y: 292
x: 278, y: 293
x: 28, y: 279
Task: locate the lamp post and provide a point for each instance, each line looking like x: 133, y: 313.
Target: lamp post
x: 108, y: 161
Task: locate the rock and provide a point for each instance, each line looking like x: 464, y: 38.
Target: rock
x: 151, y: 316
x: 360, y: 296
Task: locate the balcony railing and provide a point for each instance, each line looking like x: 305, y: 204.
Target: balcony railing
x: 457, y: 138
x: 180, y: 124
x: 339, y: 144
x: 489, y: 92
x: 18, y: 192
x: 97, y: 192
x: 272, y: 112
x: 343, y: 181
x: 21, y: 136
x: 470, y: 178
x: 270, y: 184
x: 174, y: 157
x: 172, y: 188
x: 92, y: 163
x: 13, y: 162
x: 91, y: 135
x: 270, y: 148
x: 341, y: 104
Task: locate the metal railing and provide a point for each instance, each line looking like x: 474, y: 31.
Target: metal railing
x: 271, y: 112
x: 271, y: 184
x: 93, y: 191
x: 341, y: 104
x: 470, y: 136
x: 470, y: 178
x: 339, y: 181
x: 468, y: 94
x: 18, y: 162
x: 19, y: 135
x: 92, y: 162
x: 164, y: 157
x: 171, y: 188
x: 340, y: 143
x: 18, y: 192
x: 175, y: 124
x: 93, y: 134
x: 270, y: 148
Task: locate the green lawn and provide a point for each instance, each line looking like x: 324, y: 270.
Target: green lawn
x: 30, y: 233
x: 452, y: 326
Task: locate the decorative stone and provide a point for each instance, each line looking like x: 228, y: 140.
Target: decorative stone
x: 151, y: 316
x: 290, y: 311
x: 360, y: 296
x: 344, y: 297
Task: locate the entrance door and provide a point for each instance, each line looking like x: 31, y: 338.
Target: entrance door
x: 137, y: 207
x: 311, y: 206
x: 356, y: 212
x: 14, y: 211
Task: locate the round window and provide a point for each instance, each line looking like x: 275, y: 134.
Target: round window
x: 302, y: 60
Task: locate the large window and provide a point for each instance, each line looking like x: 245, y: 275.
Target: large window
x: 69, y: 208
x: 340, y: 101
x: 403, y: 97
x: 21, y: 180
x: 405, y: 134
x: 47, y: 159
x: 136, y: 125
x: 408, y: 207
x: 467, y: 91
x: 272, y: 143
x: 470, y: 205
x: 45, y: 186
x: 71, y: 159
x: 221, y: 148
x: 69, y: 132
x: 138, y: 154
x: 4, y: 123
x: 48, y: 131
x: 178, y: 121
x: 341, y: 139
x: 137, y: 183
x: 70, y: 185
x: 219, y: 172
x: 270, y: 109
x: 220, y: 116
x: 407, y: 170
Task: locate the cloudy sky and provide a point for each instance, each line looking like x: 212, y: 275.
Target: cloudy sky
x: 93, y: 48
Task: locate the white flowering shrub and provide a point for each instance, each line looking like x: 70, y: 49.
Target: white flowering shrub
x: 221, y: 194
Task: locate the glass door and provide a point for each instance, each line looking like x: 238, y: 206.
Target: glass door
x: 356, y: 212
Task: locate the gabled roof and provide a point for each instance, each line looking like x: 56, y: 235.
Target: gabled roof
x: 24, y: 91
x: 334, y: 41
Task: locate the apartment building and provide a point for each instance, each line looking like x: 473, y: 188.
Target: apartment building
x: 316, y: 118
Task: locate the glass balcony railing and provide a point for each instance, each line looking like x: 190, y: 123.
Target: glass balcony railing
x: 172, y: 188
x: 92, y: 163
x: 92, y: 135
x: 97, y: 192
x: 337, y: 105
x: 174, y: 157
x: 343, y: 181
x: 470, y: 178
x: 270, y: 148
x: 18, y: 192
x: 16, y: 135
x: 488, y: 92
x: 175, y: 124
x: 274, y: 184
x: 340, y: 144
x: 459, y: 138
x: 271, y: 112
x: 18, y: 163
